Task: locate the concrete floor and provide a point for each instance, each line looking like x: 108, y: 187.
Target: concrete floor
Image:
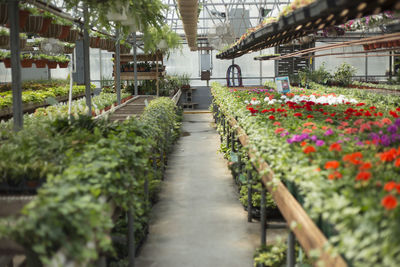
x: 199, y: 221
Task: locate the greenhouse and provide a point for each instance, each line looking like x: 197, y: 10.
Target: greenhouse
x: 168, y: 133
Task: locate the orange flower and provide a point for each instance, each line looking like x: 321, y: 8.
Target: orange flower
x: 332, y: 164
x: 388, y: 155
x: 279, y: 130
x: 386, y: 121
x: 354, y: 158
x: 308, y: 124
x: 335, y: 147
x: 317, y: 169
x: 277, y: 123
x: 389, y: 186
x: 366, y: 166
x: 389, y: 202
x: 364, y: 176
x: 309, y: 149
x: 307, y: 131
x: 335, y: 175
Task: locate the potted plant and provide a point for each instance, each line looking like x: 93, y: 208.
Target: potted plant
x: 69, y: 48
x: 26, y: 60
x: 23, y: 17
x: 185, y: 81
x: 6, y: 58
x: 3, y: 13
x: 72, y: 36
x: 39, y: 60
x: 4, y: 38
x: 50, y: 61
x: 62, y: 61
x: 34, y: 23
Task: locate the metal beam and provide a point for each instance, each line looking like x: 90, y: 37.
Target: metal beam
x: 15, y: 64
x: 86, y: 61
x: 247, y: 3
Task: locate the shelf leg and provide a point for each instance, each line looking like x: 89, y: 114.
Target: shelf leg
x: 263, y: 216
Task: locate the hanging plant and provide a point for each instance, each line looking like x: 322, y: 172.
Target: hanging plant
x: 3, y: 14
x: 73, y: 36
x: 26, y: 60
x: 33, y: 25
x: 165, y: 38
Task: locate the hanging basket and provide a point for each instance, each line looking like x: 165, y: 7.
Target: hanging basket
x: 103, y: 44
x: 40, y: 63
x: 4, y: 41
x: 94, y: 42
x: 124, y: 50
x: 51, y: 64
x: 7, y: 63
x: 118, y: 13
x: 45, y: 25
x: 3, y: 14
x: 23, y: 18
x: 26, y: 63
x: 110, y: 45
x: 63, y: 65
x: 54, y: 31
x: 73, y: 35
x: 33, y: 25
x: 68, y: 50
x: 64, y: 32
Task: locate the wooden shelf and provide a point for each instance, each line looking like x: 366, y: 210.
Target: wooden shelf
x: 129, y: 76
x: 141, y: 57
x: 306, y: 20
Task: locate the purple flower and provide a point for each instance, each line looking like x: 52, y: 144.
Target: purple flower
x: 397, y: 122
x: 395, y: 136
x: 356, y: 138
x: 304, y: 136
x: 314, y: 138
x: 328, y: 132
x: 339, y: 141
x: 360, y: 143
x: 289, y: 140
x: 320, y: 143
x: 385, y: 140
x: 341, y: 134
x: 392, y: 129
x: 346, y: 139
x: 284, y: 134
x: 374, y: 136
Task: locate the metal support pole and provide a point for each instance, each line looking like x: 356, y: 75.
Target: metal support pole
x: 86, y: 62
x: 135, y: 63
x: 263, y: 216
x: 391, y: 65
x: 101, y: 69
x: 249, y: 197
x: 227, y: 136
x: 233, y: 141
x: 131, y: 238
x: 260, y: 69
x: 154, y: 164
x: 290, y: 259
x: 366, y: 68
x: 118, y: 68
x: 13, y: 20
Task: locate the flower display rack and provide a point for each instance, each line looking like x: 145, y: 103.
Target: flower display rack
x: 305, y: 20
x: 308, y: 233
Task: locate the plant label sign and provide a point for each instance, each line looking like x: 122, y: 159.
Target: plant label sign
x: 282, y: 84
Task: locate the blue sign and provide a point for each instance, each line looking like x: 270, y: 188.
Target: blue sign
x: 282, y: 84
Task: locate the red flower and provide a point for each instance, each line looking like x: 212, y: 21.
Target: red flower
x: 309, y: 149
x: 310, y: 116
x: 332, y: 164
x: 354, y: 158
x: 364, y: 176
x: 335, y: 175
x: 397, y: 163
x: 297, y: 114
x: 272, y: 117
x: 389, y: 202
x: 335, y: 147
x: 365, y: 166
x: 279, y: 130
x: 389, y: 186
x: 303, y: 143
x: 388, y: 155
x: 393, y: 114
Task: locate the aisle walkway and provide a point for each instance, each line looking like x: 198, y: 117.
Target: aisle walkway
x: 199, y: 221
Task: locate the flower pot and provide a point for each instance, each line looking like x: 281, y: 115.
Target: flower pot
x: 68, y: 50
x: 73, y: 35
x: 7, y: 62
x: 94, y: 42
x: 124, y: 49
x: 366, y: 47
x: 398, y: 43
x: 33, y: 25
x: 64, y: 32
x: 40, y: 63
x: 51, y: 64
x: 54, y: 31
x: 63, y: 64
x: 377, y: 45
x: 110, y: 46
x: 3, y: 14
x: 4, y: 41
x: 26, y: 63
x: 371, y: 46
x: 385, y: 44
x: 45, y: 25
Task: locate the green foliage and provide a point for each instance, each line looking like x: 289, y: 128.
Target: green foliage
x: 97, y: 165
x: 343, y: 74
x: 154, y: 36
x: 271, y: 255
